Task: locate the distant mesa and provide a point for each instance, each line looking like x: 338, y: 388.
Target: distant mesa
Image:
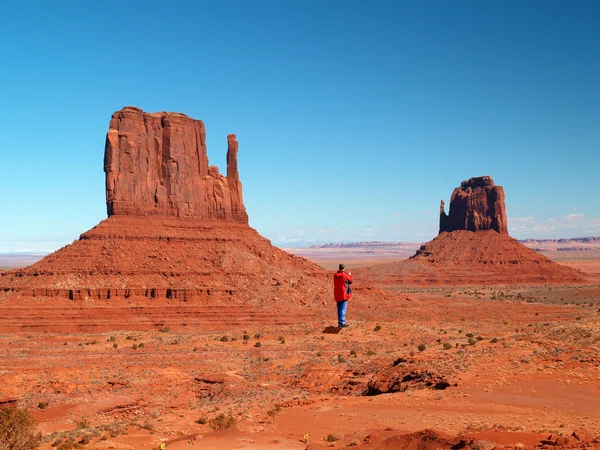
x: 156, y: 164
x: 477, y: 204
x: 472, y: 247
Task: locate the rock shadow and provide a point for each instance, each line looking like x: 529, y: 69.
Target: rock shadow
x: 331, y: 330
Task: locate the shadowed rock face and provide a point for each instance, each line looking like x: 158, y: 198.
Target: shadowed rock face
x: 476, y: 205
x: 156, y: 164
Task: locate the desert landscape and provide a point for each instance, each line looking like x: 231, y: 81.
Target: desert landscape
x: 174, y: 323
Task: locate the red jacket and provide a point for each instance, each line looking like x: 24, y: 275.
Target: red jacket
x: 341, y: 286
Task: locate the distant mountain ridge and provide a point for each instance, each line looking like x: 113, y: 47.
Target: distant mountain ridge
x: 362, y: 244
x: 529, y: 242
x: 591, y: 239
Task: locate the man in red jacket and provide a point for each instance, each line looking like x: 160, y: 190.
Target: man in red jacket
x: 341, y: 292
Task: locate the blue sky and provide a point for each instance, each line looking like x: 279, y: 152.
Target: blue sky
x: 354, y: 118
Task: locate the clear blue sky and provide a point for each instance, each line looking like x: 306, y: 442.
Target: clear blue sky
x: 354, y: 118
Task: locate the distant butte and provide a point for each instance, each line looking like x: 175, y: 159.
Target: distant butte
x: 477, y: 204
x: 472, y: 247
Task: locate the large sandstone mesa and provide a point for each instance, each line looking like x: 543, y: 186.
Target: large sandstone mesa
x: 476, y: 205
x: 176, y: 248
x: 156, y: 164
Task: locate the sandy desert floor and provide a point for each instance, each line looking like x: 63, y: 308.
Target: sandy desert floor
x: 445, y: 367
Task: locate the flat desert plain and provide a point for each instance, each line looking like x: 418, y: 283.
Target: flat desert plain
x: 479, y: 367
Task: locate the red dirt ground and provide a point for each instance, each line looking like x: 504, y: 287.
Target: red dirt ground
x: 521, y: 362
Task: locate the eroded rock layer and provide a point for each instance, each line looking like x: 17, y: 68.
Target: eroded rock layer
x: 175, y: 258
x: 476, y: 205
x: 156, y: 164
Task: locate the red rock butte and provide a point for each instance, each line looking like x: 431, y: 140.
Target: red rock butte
x: 477, y: 204
x: 472, y: 247
x: 156, y: 164
x: 177, y: 236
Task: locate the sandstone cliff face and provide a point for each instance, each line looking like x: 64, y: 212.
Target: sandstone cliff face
x: 476, y: 205
x: 156, y: 164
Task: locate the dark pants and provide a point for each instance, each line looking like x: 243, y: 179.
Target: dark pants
x: 341, y: 309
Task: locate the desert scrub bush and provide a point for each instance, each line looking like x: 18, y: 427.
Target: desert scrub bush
x: 341, y: 359
x: 422, y: 347
x: 147, y: 425
x: 43, y: 405
x: 202, y: 421
x: 274, y: 411
x: 353, y: 353
x: 258, y: 344
x: 494, y: 340
x: 472, y: 341
x: 258, y: 335
x: 222, y: 422
x: 447, y: 346
x: 377, y: 328
x: 282, y: 339
x: 17, y: 430
x: 331, y: 438
x: 469, y: 335
x: 224, y: 339
x: 83, y: 423
x: 246, y: 337
x: 69, y: 444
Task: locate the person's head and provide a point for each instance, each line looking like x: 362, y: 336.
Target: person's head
x: 342, y: 267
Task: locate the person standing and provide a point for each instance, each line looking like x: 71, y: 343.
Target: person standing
x: 342, y: 293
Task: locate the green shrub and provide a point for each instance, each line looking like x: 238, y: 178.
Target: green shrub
x: 222, y: 422
x: 422, y: 347
x: 17, y: 430
x: 273, y: 412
